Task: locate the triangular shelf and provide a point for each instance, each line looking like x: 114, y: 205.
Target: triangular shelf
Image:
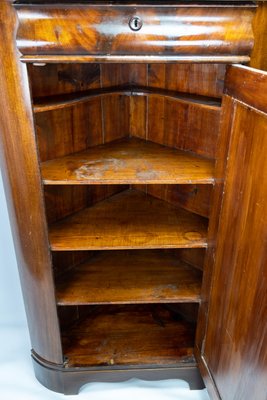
x: 129, y: 220
x: 129, y: 161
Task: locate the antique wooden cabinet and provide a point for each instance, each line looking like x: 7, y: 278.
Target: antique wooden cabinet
x: 134, y: 159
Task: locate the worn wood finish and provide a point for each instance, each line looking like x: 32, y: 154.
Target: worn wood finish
x: 103, y: 29
x: 109, y: 59
x: 62, y: 101
x: 129, y: 220
x: 62, y: 132
x: 129, y: 335
x: 124, y: 277
x: 81, y: 106
x: 237, y: 314
x: 128, y: 161
x: 242, y: 86
x: 20, y: 170
x: 70, y: 380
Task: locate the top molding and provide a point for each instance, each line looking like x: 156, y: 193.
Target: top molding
x: 102, y: 32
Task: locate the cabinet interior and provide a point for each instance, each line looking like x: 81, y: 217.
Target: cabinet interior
x: 127, y: 155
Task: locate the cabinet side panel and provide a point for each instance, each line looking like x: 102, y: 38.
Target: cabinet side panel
x: 23, y: 189
x: 259, y: 53
x: 236, y: 342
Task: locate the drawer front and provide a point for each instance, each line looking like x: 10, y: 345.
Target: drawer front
x: 140, y: 30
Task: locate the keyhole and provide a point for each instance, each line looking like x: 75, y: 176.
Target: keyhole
x: 135, y: 23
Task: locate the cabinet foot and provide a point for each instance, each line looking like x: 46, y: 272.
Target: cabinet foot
x: 70, y: 380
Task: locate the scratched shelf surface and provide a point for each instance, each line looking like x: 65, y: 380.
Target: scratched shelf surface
x: 128, y: 335
x: 129, y: 161
x: 129, y: 220
x: 124, y: 277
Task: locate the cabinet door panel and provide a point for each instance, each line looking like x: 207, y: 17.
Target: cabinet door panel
x: 235, y: 349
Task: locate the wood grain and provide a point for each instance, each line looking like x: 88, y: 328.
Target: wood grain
x: 128, y: 161
x: 259, y: 53
x: 243, y: 86
x: 129, y: 335
x: 183, y: 126
x: 124, y: 277
x: 22, y: 182
x: 56, y: 102
x: 64, y: 200
x: 132, y: 220
x: 237, y: 315
x: 194, y: 198
x: 226, y: 31
x: 66, y: 131
x: 228, y: 110
x: 201, y: 79
x: 57, y: 79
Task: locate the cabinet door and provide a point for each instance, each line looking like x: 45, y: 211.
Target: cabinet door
x: 235, y: 348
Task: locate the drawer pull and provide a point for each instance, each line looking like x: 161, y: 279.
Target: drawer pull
x: 135, y: 23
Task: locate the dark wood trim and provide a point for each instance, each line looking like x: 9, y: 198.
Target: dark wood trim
x: 22, y: 181
x: 206, y: 375
x: 69, y: 381
x: 68, y: 100
x: 249, y: 87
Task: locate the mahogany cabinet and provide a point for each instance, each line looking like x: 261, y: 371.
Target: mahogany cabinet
x: 134, y: 157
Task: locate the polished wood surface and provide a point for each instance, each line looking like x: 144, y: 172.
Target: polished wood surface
x: 129, y: 335
x: 109, y: 59
x: 235, y: 347
x: 216, y: 201
x: 129, y: 220
x: 241, y: 82
x: 119, y: 277
x: 103, y: 29
x: 22, y: 181
x: 128, y: 161
x: 259, y: 53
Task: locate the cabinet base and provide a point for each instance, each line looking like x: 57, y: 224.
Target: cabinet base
x: 69, y: 380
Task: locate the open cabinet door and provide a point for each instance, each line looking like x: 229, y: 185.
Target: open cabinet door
x: 235, y: 347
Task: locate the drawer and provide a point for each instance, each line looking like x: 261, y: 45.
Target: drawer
x: 194, y: 32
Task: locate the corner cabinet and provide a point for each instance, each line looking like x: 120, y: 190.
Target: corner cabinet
x: 134, y: 160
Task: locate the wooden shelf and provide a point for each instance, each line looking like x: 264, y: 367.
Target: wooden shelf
x: 129, y: 336
x: 129, y: 161
x: 129, y: 220
x: 124, y: 277
x: 56, y: 102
